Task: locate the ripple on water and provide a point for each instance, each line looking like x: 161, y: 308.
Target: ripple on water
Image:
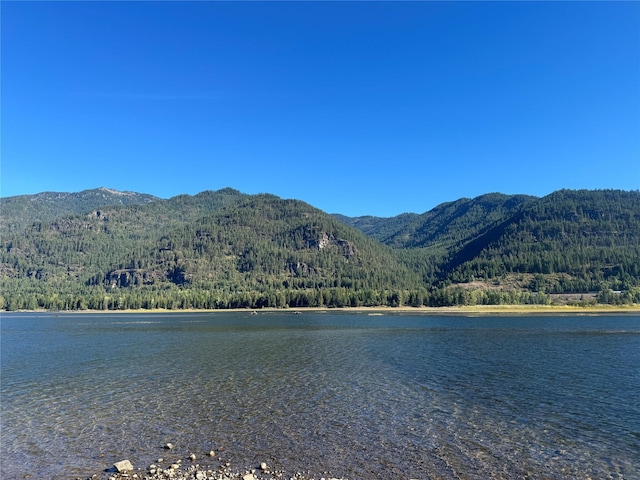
x: 390, y: 397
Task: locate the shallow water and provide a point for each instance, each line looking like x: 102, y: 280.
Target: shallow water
x: 364, y: 397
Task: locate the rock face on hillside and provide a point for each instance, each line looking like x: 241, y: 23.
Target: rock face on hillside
x: 346, y: 248
x: 130, y: 277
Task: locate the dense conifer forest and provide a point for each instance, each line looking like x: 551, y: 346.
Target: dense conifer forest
x: 107, y: 250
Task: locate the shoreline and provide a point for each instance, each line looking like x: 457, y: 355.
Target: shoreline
x: 188, y: 468
x: 456, y: 310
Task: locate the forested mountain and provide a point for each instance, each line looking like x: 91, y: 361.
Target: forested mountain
x: 222, y: 249
x: 379, y: 228
x: 574, y: 241
x: 23, y: 210
x: 458, y: 222
x: 566, y: 242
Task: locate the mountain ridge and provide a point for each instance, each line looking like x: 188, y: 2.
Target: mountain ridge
x: 223, y: 248
x: 44, y: 206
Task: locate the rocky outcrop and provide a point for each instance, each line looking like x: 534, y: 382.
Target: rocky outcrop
x: 301, y: 269
x: 132, y: 276
x: 347, y: 249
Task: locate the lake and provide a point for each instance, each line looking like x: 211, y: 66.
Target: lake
x: 350, y: 395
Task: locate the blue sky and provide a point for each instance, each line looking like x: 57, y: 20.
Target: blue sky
x: 354, y: 107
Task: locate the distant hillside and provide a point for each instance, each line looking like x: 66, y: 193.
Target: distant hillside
x: 566, y: 242
x: 379, y: 228
x: 574, y: 241
x: 232, y: 246
x: 446, y: 224
x: 21, y: 211
x: 74, y: 247
x: 161, y: 215
x: 286, y: 243
x: 222, y: 249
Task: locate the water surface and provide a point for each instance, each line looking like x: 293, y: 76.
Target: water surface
x: 364, y: 397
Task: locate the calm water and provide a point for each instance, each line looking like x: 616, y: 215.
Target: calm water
x: 363, y: 397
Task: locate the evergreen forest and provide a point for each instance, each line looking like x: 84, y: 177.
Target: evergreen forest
x: 107, y: 250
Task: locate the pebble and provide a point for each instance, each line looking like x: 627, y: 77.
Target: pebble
x: 169, y: 446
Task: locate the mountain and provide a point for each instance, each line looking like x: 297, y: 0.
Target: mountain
x: 574, y: 241
x: 379, y: 228
x: 226, y: 246
x: 103, y: 236
x: 20, y: 211
x: 447, y: 224
x: 221, y: 249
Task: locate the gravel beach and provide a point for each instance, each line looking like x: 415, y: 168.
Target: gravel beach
x: 209, y: 466
x: 180, y: 471
x: 176, y: 471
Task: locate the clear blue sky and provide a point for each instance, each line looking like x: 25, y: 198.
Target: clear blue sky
x: 354, y: 107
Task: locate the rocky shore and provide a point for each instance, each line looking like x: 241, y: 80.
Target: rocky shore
x: 194, y: 466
